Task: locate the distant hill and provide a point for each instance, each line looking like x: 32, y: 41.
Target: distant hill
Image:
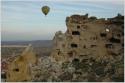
x: 35, y: 43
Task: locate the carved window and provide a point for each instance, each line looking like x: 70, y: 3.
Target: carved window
x: 78, y: 27
x: 75, y: 33
x: 17, y: 70
x: 103, y: 34
x: 74, y: 45
x: 3, y: 76
x: 114, y: 40
x: 84, y: 46
x: 59, y: 52
x: 93, y: 46
x: 108, y: 45
x: 75, y: 60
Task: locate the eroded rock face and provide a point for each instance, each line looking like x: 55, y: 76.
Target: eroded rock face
x: 90, y: 45
x: 20, y: 67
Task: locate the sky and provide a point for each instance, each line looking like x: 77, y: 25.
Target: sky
x: 23, y: 20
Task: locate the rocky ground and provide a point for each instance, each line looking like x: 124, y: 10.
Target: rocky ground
x: 79, y: 71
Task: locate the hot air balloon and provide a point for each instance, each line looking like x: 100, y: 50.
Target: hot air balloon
x: 45, y: 9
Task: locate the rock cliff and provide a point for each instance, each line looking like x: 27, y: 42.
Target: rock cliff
x: 91, y: 49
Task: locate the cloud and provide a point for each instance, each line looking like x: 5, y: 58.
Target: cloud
x: 24, y: 19
x: 91, y: 1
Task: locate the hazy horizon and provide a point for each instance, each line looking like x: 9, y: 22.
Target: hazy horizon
x: 22, y: 40
x: 24, y: 21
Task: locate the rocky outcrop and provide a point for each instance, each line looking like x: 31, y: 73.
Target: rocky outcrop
x: 92, y: 48
x: 20, y: 68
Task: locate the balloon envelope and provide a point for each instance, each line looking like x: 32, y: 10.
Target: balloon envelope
x: 45, y: 9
